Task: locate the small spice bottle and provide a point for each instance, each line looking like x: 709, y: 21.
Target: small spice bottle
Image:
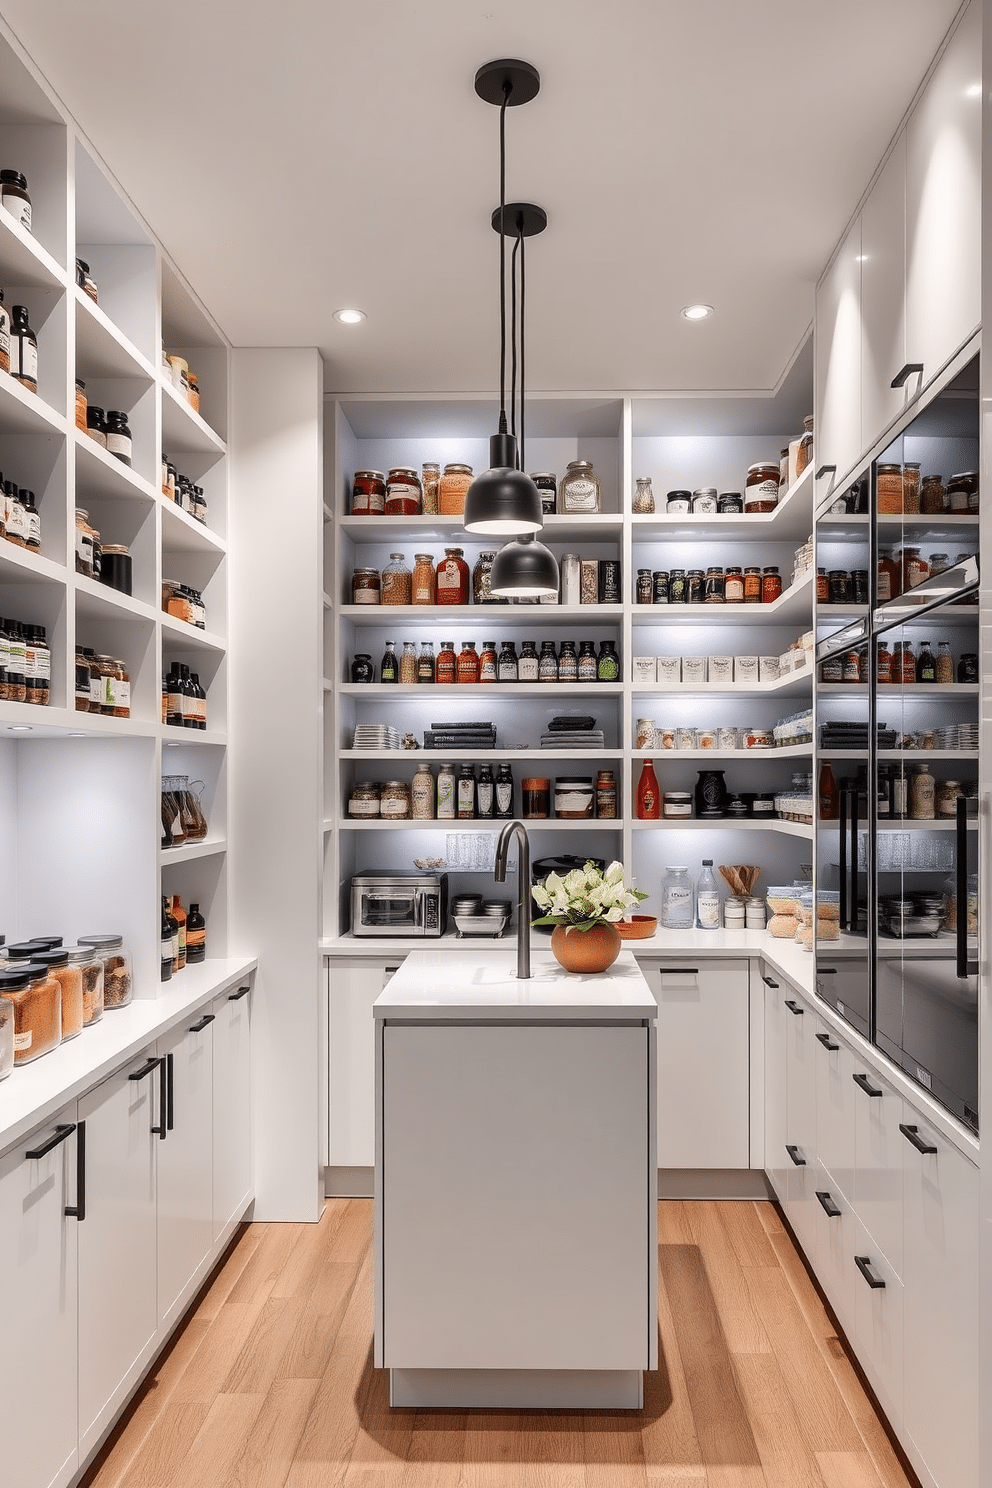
x: 528, y: 665
x: 447, y: 663
x: 547, y: 662
x: 507, y: 663
x: 14, y: 196
x: 771, y: 585
x: 587, y: 661
x: 84, y: 543
x: 423, y: 585
x: 23, y: 349
x: 468, y: 663
x: 487, y: 662
x: 80, y: 405
x: 536, y: 798
x: 397, y: 581
x: 733, y: 587
x: 606, y: 795
x: 4, y: 336
x: 752, y: 586
x: 96, y: 425
x: 425, y: 662
x: 568, y: 663
x: 119, y: 441
x: 451, y: 493
x: 452, y: 578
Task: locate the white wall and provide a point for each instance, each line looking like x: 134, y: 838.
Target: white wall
x: 276, y: 756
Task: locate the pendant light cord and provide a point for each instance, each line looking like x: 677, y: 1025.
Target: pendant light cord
x: 513, y: 336
x: 521, y: 463
x: 507, y: 90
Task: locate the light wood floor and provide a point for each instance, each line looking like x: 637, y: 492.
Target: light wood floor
x: 270, y: 1383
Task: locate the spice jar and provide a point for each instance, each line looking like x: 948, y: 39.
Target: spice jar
x: 606, y: 795
x: 915, y: 569
x: 452, y: 578
x: 455, y: 482
x: 771, y: 585
x: 536, y: 798
x: 911, y: 486
x: 368, y: 493
x: 363, y: 803
x: 730, y: 503
x: 16, y: 518
x: 431, y: 483
x: 394, y: 801
x: 70, y: 979
x: 713, y: 592
x: 573, y: 797
x: 547, y: 483
x: 422, y: 588
x: 752, y: 586
x: 803, y: 456
x: 14, y: 197
x: 761, y: 487
x: 23, y: 349
x: 733, y: 588
x: 117, y: 972
x: 403, y: 494
x: 397, y: 581
x: 467, y: 668
x: 115, y: 567
x: 946, y: 797
x: 119, y: 436
x: 933, y: 497
x: 84, y: 543
x: 644, y: 588
x: 36, y: 1000
x: 82, y: 687
x: 487, y: 662
x: 446, y: 670
x: 677, y: 503
x: 365, y: 588
x: 922, y: 806
x: 481, y: 579
x: 121, y: 690
x: 96, y: 425
x: 409, y: 665
x: 643, y: 498
x: 889, y: 490
x: 80, y: 405
x: 661, y: 585
x: 422, y: 794
x: 580, y: 489
x: 704, y: 501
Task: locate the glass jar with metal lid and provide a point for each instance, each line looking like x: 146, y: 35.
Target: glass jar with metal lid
x: 580, y: 490
x: 574, y: 797
x: 715, y: 585
x: 431, y: 482
x: 70, y: 979
x: 733, y: 587
x: 677, y: 503
x: 14, y: 196
x: 118, y: 978
x: 368, y: 493
x: 403, y: 493
x: 365, y: 586
x: 115, y: 567
x: 397, y: 581
x: 888, y: 486
x: 394, y: 800
x: 37, y: 1003
x: 547, y: 483
x: 704, y: 501
x: 363, y: 803
x: 730, y: 503
x: 6, y: 1033
x: 962, y: 492
x: 455, y: 482
x: 422, y: 588
x: 761, y: 487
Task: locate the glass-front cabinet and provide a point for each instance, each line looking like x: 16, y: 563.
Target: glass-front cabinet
x: 897, y: 701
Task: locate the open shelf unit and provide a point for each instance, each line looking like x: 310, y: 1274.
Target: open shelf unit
x: 623, y: 436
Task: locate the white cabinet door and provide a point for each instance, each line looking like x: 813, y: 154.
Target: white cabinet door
x: 352, y: 987
x: 801, y: 1118
x: 232, y: 1144
x: 834, y: 1065
x: 703, y: 1053
x: 878, y: 1321
x: 940, y: 1280
x: 38, y: 1182
x: 944, y: 203
x: 834, y: 1224
x: 117, y: 1278
x: 776, y: 1084
x: 516, y: 1197
x: 837, y: 348
x: 883, y: 298
x: 878, y: 1161
x: 185, y: 1163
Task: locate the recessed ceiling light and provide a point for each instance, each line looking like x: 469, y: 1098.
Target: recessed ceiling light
x: 697, y: 312
x: 861, y: 258
x: 975, y: 91
x: 349, y: 317
x: 77, y: 736
x: 21, y: 728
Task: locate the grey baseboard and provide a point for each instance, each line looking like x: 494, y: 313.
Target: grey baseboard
x: 713, y: 1183
x: 349, y: 1183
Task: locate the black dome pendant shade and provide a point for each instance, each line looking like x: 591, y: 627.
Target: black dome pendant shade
x: 502, y: 500
x: 523, y: 569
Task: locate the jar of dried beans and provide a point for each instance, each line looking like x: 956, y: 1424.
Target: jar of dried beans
x: 454, y: 484
x: 889, y: 488
x: 423, y: 587
x: 117, y: 971
x: 397, y: 581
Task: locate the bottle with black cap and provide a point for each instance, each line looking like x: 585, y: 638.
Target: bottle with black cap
x: 23, y: 349
x: 14, y: 196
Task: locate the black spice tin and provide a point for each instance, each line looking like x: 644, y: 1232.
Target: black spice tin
x: 609, y: 581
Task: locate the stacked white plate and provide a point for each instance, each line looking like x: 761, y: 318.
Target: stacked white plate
x: 967, y: 736
x: 376, y: 736
x: 947, y: 738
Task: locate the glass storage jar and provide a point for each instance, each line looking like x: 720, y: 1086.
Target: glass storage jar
x: 394, y: 800
x: 452, y: 578
x: 70, y: 979
x: 643, y: 499
x: 761, y: 487
x: 536, y: 798
x: 6, y: 1034
x: 403, y: 493
x: 962, y: 492
x: 118, y: 976
x: 368, y: 493
x: 397, y: 582
x: 580, y: 489
x: 574, y: 797
x: 365, y: 586
x: 36, y: 999
x: 422, y: 588
x: 431, y: 483
x: 933, y: 497
x: 115, y: 567
x: 84, y: 543
x: 911, y: 487
x: 455, y: 482
x: 676, y: 899
x: 805, y: 451
x: 889, y: 490
x: 482, y: 578
x: 363, y: 803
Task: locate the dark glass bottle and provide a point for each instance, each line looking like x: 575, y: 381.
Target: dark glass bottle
x: 362, y: 668
x: 465, y: 791
x: 174, y: 697
x: 196, y: 936
x: 190, y: 696
x: 425, y: 662
x: 23, y: 349
x: 485, y: 793
x: 167, y: 923
x: 118, y: 435
x: 608, y: 665
x: 587, y: 661
x: 504, y: 793
x: 547, y: 663
x: 389, y: 667
x: 926, y: 664
x: 528, y: 667
x: 568, y: 663
x: 508, y: 669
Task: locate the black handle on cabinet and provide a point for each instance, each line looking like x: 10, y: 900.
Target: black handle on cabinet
x: 769, y: 982
x: 848, y: 874
x: 827, y: 1204
x: 912, y: 1134
x: 796, y: 1156
x: 237, y: 996
x: 842, y: 870
x: 77, y: 1210
x: 863, y: 1264
x: 825, y: 470
x: 863, y: 1083
x: 170, y: 1089
x: 199, y: 1027
x: 963, y: 967
x: 827, y: 1042
x: 65, y: 1129
x: 163, y: 1097
x: 905, y: 373
x: 679, y: 970
x: 146, y: 1069
x: 794, y: 1008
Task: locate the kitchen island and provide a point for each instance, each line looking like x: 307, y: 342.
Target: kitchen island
x: 515, y: 1183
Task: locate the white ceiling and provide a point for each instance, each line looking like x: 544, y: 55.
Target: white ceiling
x: 302, y: 156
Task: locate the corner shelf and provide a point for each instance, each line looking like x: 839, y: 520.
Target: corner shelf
x: 101, y: 349
x: 183, y: 430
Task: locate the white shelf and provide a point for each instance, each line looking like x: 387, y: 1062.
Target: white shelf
x: 469, y: 690
x: 501, y: 615
x: 791, y: 520
x: 61, y: 723
x: 22, y: 258
x: 785, y: 751
x: 22, y: 412
x: 96, y: 601
x: 483, y: 824
x: 793, y: 606
x: 187, y: 852
x: 183, y: 430
x: 899, y: 756
x: 101, y: 349
x: 726, y: 824
x: 182, y: 533
x: 99, y: 474
x: 558, y: 527
x: 503, y: 755
x: 179, y: 635
x: 792, y: 684
x: 899, y: 690
x: 17, y: 564
x: 172, y: 736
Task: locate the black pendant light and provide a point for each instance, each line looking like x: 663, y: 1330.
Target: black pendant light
x: 503, y: 501
x: 523, y: 569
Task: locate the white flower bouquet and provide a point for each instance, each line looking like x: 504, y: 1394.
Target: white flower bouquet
x: 585, y: 897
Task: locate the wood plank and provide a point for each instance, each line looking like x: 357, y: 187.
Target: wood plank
x: 614, y: 1451
x: 668, y: 1430
x: 663, y: 1475
x: 739, y: 1320
x: 785, y: 1461
x: 271, y: 1444
x: 164, y: 1451
x: 218, y: 1443
x: 718, y: 1412
x: 265, y: 1266
x: 209, y: 1367
x: 437, y: 1450
x: 257, y: 1363
x: 218, y: 1288
x: 308, y: 1351
x: 674, y: 1227
x: 847, y: 1470
x: 747, y: 1233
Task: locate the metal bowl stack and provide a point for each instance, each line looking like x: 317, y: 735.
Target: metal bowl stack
x: 475, y: 916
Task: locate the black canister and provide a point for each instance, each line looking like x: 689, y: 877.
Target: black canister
x: 547, y: 483
x: 676, y: 586
x: 711, y: 796
x: 645, y: 587
x: 660, y: 586
x: 695, y: 587
x: 115, y: 567
x: 730, y: 502
x: 609, y: 581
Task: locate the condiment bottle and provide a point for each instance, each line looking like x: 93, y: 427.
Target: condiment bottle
x: 424, y: 580
x: 466, y: 792
x: 485, y: 793
x: 945, y: 662
x: 883, y: 663
x: 587, y: 661
x: 608, y: 662
x: 568, y: 663
x: 648, y: 803
x: 828, y: 794
x: 23, y: 349
x: 547, y: 662
x: 446, y: 670
x: 179, y: 915
x: 118, y: 436
x: 422, y: 794
x: 507, y: 666
x: 425, y: 662
x: 4, y: 336
x: 528, y: 665
x: 468, y: 663
x: 752, y: 586
x: 389, y: 669
x: 771, y: 585
x: 196, y: 936
x: 733, y: 588
x: 14, y: 197
x: 452, y: 578
x: 487, y: 662
x: 504, y: 793
x: 445, y: 792
x: 926, y: 664
x: 166, y: 941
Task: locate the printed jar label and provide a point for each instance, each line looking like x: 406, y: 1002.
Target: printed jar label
x: 27, y: 358
x: 122, y: 694
x: 5, y: 344
x: 395, y: 806
x: 119, y: 444
x: 580, y: 495
x: 766, y: 490
x: 527, y: 670
x: 504, y: 795
x: 579, y: 803
x: 709, y: 910
x: 18, y: 208
x: 448, y: 576
x: 365, y: 596
x: 22, y: 1041
x: 362, y: 808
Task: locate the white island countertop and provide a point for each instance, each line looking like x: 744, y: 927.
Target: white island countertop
x: 461, y: 985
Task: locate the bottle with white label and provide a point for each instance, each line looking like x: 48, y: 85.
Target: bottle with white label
x: 677, y: 899
x: 4, y: 336
x: 707, y: 898
x: 14, y: 197
x: 23, y: 349
x: 445, y: 792
x: 118, y: 435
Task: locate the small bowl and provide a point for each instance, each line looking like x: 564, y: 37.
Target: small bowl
x: 638, y: 927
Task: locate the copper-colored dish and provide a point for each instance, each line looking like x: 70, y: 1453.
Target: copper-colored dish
x: 638, y: 927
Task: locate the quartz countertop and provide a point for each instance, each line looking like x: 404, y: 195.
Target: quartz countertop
x: 441, y: 985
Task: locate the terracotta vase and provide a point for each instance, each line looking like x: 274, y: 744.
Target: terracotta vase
x: 586, y: 950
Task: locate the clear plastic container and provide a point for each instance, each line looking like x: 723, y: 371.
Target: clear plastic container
x: 677, y: 906
x: 37, y: 1003
x: 6, y: 1036
x: 118, y: 975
